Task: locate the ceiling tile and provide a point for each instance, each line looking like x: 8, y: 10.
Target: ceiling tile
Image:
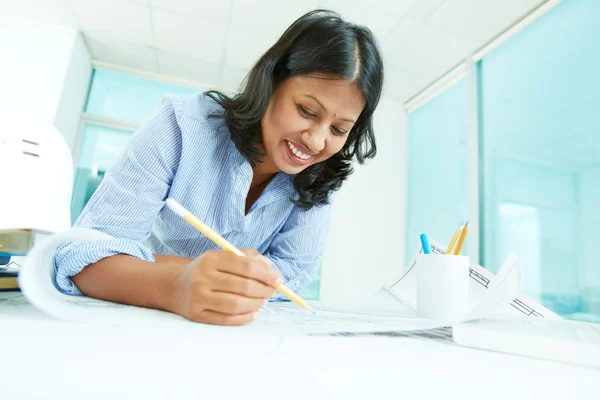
x: 270, y: 17
x: 423, y: 8
x: 244, y: 48
x: 398, y: 38
x: 123, y: 20
x: 401, y: 84
x: 403, y: 31
x: 202, y: 72
x: 188, y: 37
x: 232, y: 77
x: 121, y: 53
x: 213, y: 11
x: 430, y: 50
x: 480, y: 20
x: 396, y: 7
x: 57, y: 12
x: 380, y: 22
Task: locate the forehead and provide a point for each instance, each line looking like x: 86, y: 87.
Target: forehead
x: 335, y: 94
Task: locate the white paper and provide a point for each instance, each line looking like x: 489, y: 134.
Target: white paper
x: 289, y: 319
x: 489, y: 294
x: 396, y: 315
x: 37, y: 279
x: 13, y: 305
x: 560, y: 340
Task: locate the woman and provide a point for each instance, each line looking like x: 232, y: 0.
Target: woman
x: 259, y: 168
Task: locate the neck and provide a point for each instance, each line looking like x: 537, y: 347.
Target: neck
x: 262, y: 173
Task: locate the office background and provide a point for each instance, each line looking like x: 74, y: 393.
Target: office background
x: 488, y: 116
x: 538, y: 158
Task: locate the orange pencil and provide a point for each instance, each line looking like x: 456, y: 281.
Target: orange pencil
x: 461, y: 240
x: 453, y: 241
x: 225, y: 245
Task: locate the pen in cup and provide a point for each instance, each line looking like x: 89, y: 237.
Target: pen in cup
x: 425, y: 243
x: 453, y: 241
x: 461, y: 239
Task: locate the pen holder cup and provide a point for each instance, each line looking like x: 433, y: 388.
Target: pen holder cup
x: 442, y: 287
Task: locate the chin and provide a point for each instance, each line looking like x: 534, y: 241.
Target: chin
x: 292, y: 169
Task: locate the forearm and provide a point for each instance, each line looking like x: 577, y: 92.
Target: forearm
x: 166, y: 259
x: 129, y: 280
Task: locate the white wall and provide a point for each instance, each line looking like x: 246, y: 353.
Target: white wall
x: 45, y: 69
x: 365, y: 248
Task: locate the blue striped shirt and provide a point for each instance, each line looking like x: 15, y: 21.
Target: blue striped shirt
x: 182, y: 153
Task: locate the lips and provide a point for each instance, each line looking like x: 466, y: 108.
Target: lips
x: 298, y: 155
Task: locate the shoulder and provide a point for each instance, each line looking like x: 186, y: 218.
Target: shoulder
x: 195, y: 109
x: 316, y: 215
x: 194, y: 121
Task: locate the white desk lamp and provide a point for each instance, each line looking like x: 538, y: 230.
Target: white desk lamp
x: 36, y: 172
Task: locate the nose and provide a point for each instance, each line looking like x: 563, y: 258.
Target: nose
x: 314, y: 138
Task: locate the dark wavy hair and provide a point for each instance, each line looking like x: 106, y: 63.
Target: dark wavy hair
x: 319, y: 42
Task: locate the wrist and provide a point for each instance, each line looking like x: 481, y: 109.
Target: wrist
x: 169, y: 259
x: 168, y: 293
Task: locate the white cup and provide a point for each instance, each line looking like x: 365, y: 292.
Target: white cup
x: 442, y: 287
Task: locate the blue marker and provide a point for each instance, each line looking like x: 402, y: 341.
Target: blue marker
x: 425, y: 244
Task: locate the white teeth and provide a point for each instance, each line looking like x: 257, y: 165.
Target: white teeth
x: 297, y: 152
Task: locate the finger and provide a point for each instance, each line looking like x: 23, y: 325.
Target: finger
x: 250, y: 252
x: 255, y: 254
x: 248, y: 267
x: 217, y: 318
x: 229, y: 303
x: 226, y: 282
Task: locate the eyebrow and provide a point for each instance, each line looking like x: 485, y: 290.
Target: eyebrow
x: 323, y: 107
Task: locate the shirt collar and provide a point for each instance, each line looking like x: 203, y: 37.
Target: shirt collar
x: 282, y: 184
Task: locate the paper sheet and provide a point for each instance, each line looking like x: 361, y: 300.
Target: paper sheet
x: 279, y: 319
x: 574, y: 331
x: 391, y: 310
x: 13, y: 305
x: 489, y: 294
x: 36, y: 281
x: 289, y: 319
x: 569, y: 341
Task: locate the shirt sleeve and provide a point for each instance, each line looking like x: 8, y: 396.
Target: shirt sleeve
x: 128, y: 200
x: 298, y: 249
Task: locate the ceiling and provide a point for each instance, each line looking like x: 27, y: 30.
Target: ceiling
x: 214, y: 42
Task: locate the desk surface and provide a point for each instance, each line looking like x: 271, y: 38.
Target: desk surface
x: 45, y: 358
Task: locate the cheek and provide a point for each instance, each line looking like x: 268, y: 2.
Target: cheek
x: 280, y: 116
x: 335, y: 145
x: 338, y: 143
x: 270, y: 131
x: 275, y: 122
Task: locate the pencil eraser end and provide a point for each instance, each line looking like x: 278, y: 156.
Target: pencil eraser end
x: 175, y: 206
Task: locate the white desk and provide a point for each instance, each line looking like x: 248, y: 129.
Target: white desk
x: 49, y: 359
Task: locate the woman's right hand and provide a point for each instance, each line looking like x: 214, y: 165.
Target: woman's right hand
x: 225, y: 289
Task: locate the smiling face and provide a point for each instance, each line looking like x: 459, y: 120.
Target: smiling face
x: 307, y: 121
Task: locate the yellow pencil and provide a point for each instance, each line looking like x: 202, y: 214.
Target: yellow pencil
x: 225, y: 245
x: 461, y: 240
x: 453, y: 241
